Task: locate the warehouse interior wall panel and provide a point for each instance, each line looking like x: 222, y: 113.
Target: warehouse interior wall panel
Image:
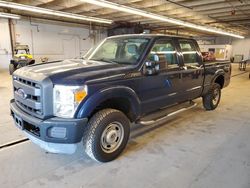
x: 225, y: 49
x: 46, y: 40
x: 5, y: 46
x: 237, y: 46
x: 241, y: 47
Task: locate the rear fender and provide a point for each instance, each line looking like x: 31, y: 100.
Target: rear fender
x: 219, y: 72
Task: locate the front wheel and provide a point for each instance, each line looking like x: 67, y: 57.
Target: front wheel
x: 212, y: 98
x: 106, y: 135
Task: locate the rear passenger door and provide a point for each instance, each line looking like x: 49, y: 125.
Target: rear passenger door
x: 192, y: 69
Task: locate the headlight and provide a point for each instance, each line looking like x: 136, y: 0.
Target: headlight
x: 67, y: 99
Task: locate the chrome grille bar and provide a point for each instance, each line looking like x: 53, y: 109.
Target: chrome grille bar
x: 28, y: 95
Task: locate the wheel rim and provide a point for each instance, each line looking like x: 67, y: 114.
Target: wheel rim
x: 216, y: 96
x: 112, y: 137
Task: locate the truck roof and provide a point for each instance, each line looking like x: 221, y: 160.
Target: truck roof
x: 149, y: 35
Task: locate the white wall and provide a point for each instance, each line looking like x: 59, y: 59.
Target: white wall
x: 227, y: 54
x: 241, y: 47
x: 5, y: 46
x: 47, y: 40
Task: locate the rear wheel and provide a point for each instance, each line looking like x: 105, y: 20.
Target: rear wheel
x: 212, y: 98
x: 106, y: 135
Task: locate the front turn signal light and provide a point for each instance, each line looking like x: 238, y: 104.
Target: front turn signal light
x: 80, y: 95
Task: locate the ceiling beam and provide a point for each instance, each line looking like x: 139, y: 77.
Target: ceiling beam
x: 32, y: 3
x: 199, y: 2
x: 247, y: 20
x: 226, y: 17
x: 219, y: 5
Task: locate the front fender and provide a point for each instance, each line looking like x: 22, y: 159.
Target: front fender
x: 89, y: 105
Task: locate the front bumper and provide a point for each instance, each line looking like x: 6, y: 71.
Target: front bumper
x: 54, y: 130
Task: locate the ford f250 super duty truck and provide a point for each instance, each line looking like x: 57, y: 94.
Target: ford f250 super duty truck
x: 138, y: 78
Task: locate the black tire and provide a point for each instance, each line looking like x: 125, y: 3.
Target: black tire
x: 31, y: 62
x: 106, y: 126
x: 11, y: 68
x: 212, y: 98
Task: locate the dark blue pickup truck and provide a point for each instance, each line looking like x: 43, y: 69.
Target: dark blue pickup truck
x: 124, y: 79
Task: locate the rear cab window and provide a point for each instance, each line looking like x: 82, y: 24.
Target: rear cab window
x: 189, y: 52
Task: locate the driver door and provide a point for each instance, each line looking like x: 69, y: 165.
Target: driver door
x: 162, y: 88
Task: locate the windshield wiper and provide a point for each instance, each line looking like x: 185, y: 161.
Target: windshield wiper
x: 124, y: 63
x: 104, y: 60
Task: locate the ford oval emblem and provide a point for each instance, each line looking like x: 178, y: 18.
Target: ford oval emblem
x: 21, y: 93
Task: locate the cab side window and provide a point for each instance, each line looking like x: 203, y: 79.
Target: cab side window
x: 166, y: 52
x: 189, y: 52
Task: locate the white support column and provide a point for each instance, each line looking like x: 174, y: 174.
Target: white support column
x: 5, y: 44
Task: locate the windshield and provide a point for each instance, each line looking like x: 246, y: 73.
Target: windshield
x: 21, y: 52
x: 119, y: 50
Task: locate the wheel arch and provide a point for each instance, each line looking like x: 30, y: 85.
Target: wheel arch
x: 120, y: 97
x: 219, y: 78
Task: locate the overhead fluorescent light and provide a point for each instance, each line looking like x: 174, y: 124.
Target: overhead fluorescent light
x: 52, y: 12
x: 7, y: 15
x: 139, y: 12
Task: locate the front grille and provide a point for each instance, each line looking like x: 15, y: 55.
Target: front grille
x: 27, y: 82
x: 28, y: 95
x: 33, y: 110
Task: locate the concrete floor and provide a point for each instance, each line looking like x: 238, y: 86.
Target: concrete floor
x: 193, y: 150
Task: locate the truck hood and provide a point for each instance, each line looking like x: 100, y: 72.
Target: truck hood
x: 74, y: 71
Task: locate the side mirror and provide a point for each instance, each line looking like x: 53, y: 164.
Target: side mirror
x: 152, y: 67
